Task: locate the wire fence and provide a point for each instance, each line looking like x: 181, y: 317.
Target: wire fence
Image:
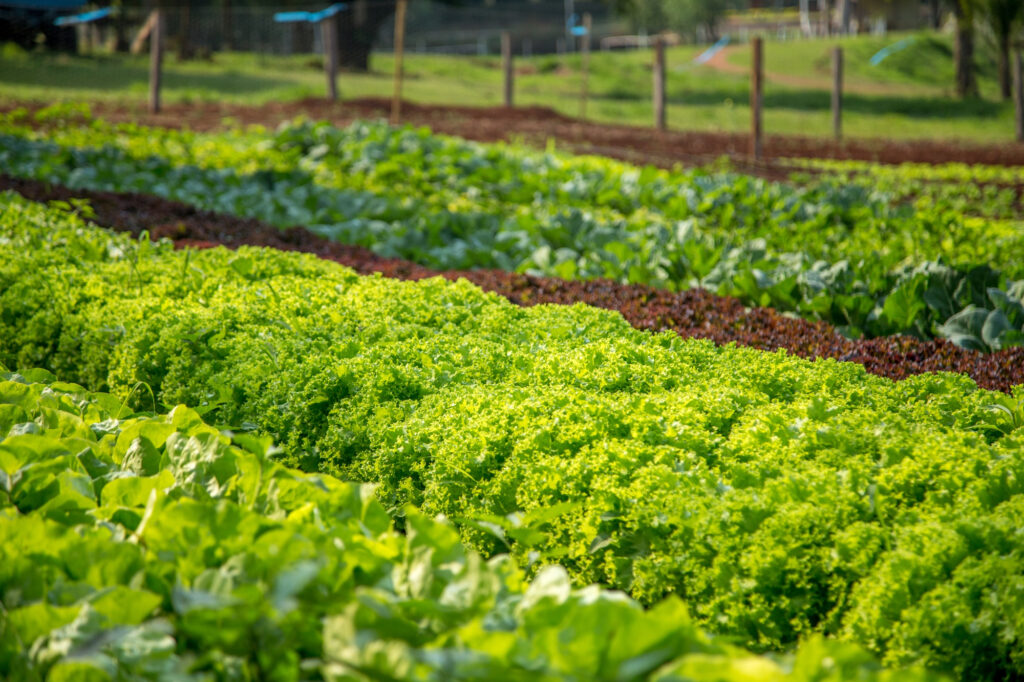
x: 512, y: 28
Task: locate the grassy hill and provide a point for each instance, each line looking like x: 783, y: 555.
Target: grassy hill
x: 908, y: 95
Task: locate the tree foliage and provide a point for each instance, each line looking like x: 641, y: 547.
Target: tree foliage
x: 1002, y: 18
x: 682, y: 16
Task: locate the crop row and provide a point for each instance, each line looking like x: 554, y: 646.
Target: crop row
x: 777, y: 497
x: 691, y: 313
x: 988, y: 191
x: 141, y: 546
x: 863, y: 265
x: 929, y: 172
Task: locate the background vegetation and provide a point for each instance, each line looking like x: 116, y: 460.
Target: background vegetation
x: 911, y: 94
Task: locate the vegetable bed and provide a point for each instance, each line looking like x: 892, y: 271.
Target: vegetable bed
x: 141, y: 546
x: 692, y: 313
x: 780, y: 499
x: 836, y: 251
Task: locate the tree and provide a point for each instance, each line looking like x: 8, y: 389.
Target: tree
x: 684, y: 16
x: 1003, y: 18
x: 644, y: 15
x: 358, y: 28
x: 845, y: 14
x: 805, y: 17
x: 963, y: 49
x: 358, y: 25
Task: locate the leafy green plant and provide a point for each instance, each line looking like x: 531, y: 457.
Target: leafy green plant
x: 777, y: 497
x: 977, y: 190
x: 448, y: 204
x: 988, y: 329
x: 142, y: 546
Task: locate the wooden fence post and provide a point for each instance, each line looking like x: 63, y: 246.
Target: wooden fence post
x: 396, y: 100
x: 329, y: 33
x: 156, y: 58
x: 837, y: 93
x: 756, y: 96
x: 585, y: 60
x: 506, y: 64
x: 1018, y: 87
x: 659, y: 83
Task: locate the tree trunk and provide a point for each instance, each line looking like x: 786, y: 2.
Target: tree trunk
x: 184, y: 48
x: 712, y: 29
x: 121, y: 42
x: 302, y: 38
x: 963, y: 51
x: 228, y: 27
x: 845, y: 11
x: 1002, y: 17
x: 1004, y: 68
x: 357, y: 28
x: 805, y: 17
x: 936, y: 15
x: 825, y: 15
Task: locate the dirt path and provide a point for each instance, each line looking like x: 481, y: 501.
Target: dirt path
x: 720, y: 61
x: 536, y: 125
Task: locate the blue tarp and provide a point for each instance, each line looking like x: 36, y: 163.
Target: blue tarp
x: 707, y: 54
x: 312, y: 17
x: 575, y: 27
x: 880, y: 56
x: 84, y: 18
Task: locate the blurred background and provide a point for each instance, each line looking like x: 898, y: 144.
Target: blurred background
x: 913, y: 68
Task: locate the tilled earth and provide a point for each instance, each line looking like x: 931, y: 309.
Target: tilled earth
x: 694, y: 313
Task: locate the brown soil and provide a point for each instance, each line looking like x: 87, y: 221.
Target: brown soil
x: 694, y: 313
x: 538, y: 124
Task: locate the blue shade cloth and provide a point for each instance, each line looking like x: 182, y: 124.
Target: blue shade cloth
x: 312, y: 17
x: 84, y: 18
x: 880, y: 56
x: 575, y: 27
x: 286, y: 17
x: 707, y: 54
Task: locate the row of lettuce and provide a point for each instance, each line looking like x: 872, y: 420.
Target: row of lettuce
x: 156, y: 547
x: 780, y: 499
x: 834, y: 250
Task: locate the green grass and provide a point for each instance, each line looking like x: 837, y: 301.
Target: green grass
x: 907, y: 96
x: 923, y: 68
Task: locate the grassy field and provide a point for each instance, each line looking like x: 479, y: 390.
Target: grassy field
x: 908, y: 95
